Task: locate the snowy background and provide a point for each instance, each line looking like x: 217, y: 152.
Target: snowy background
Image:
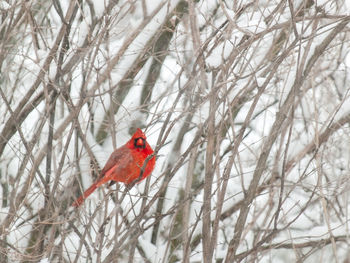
x: 246, y: 103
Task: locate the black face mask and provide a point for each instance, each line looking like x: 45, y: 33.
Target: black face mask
x: 140, y: 143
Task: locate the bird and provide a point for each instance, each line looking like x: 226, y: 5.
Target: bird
x: 124, y: 165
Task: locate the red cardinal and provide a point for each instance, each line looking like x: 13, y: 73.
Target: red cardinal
x: 124, y: 165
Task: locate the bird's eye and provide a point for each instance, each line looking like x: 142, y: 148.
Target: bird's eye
x: 140, y: 143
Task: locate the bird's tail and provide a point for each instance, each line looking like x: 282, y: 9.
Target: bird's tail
x: 88, y: 192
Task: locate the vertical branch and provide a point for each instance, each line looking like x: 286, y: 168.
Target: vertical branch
x: 186, y: 210
x: 51, y: 113
x: 208, y: 181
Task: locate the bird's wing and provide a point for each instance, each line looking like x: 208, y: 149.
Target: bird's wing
x: 116, y: 158
x: 120, y: 168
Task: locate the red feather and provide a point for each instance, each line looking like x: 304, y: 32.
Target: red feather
x: 124, y: 165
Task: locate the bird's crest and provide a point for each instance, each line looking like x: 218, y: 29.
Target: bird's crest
x: 138, y: 134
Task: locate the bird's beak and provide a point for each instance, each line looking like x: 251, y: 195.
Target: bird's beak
x: 140, y: 143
